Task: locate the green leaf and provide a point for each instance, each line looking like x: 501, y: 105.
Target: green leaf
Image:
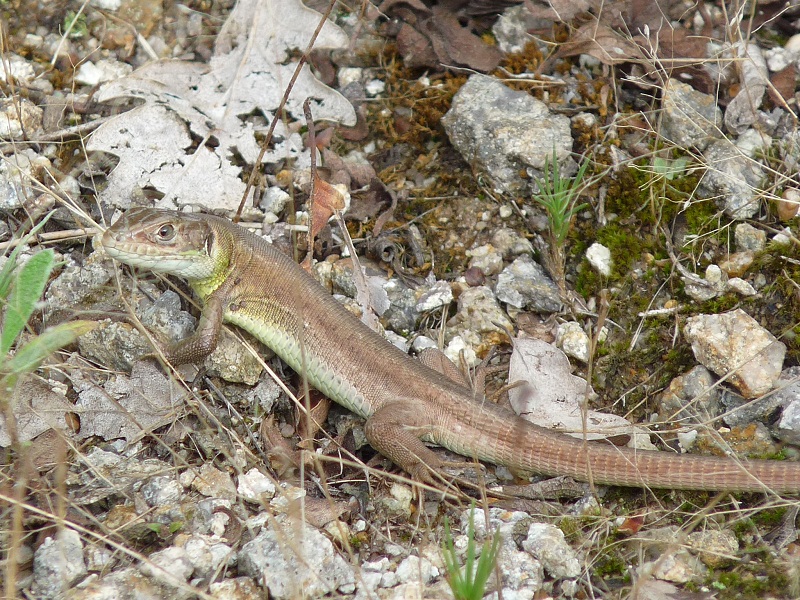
x: 11, y: 263
x: 27, y: 287
x: 31, y: 355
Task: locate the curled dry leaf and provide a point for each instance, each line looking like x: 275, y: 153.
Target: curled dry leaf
x: 546, y: 393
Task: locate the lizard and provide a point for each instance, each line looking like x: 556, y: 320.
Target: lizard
x: 243, y: 280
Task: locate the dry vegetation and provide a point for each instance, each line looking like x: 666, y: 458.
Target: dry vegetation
x: 642, y: 203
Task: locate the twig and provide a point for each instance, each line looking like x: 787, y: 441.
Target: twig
x: 53, y: 236
x: 278, y: 111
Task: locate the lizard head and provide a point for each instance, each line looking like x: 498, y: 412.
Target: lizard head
x: 164, y: 241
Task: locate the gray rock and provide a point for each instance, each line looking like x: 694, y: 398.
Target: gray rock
x: 524, y: 284
x: 690, y: 398
x: 58, y: 564
x: 547, y: 544
x: 76, y: 282
x: 170, y: 566
x: 600, y: 258
x: 787, y: 394
x: 741, y: 287
x: 478, y: 320
x: 688, y: 117
x: 510, y: 243
x: 501, y: 132
x: 255, y: 487
x: 240, y: 588
x: 401, y: 316
x: 416, y: 569
x: 213, y: 483
x: 17, y: 174
x: 19, y: 119
x: 108, y: 473
x: 233, y: 362
x: 735, y: 346
x: 733, y: 176
x: 161, y: 490
x: 127, y: 583
x: 573, y: 340
x: 295, y: 561
x: 750, y: 238
x: 511, y: 29
x: 17, y: 67
x: 166, y: 317
x: 487, y: 258
x: 437, y: 295
x: 115, y: 345
x: 206, y: 554
x: 717, y: 549
x: 521, y: 572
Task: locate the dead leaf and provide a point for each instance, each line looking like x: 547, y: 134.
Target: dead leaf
x: 434, y: 37
x: 283, y: 459
x: 784, y: 83
x: 127, y: 407
x: 36, y: 407
x: 215, y: 103
x: 653, y: 14
x: 325, y: 200
x: 546, y: 393
x: 601, y: 42
x: 458, y: 46
x: 563, y: 11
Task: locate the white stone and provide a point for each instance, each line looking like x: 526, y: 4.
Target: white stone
x: 600, y: 258
x: 255, y: 487
x: 375, y: 87
x: 573, y: 340
x: 349, y: 75
x: 740, y: 286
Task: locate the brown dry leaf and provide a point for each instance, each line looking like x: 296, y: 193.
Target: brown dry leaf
x: 36, y: 408
x: 283, y: 459
x: 601, y: 42
x: 784, y: 83
x: 456, y: 45
x: 558, y: 10
x: 415, y: 48
x: 674, y: 50
x: 651, y: 13
x: 321, y: 511
x: 308, y: 427
x: 326, y: 199
x: 432, y: 37
x: 365, y: 205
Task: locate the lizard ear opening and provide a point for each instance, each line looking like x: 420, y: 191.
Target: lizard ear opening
x: 209, y: 245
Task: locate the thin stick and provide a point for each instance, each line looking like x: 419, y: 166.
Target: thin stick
x: 278, y: 111
x: 52, y: 236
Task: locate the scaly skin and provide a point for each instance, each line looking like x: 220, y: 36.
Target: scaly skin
x: 243, y: 280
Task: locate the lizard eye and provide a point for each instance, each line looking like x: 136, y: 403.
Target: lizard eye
x: 166, y: 233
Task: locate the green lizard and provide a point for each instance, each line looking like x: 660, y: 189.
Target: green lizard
x: 243, y: 280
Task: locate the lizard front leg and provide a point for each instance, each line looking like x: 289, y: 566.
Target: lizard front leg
x: 204, y: 339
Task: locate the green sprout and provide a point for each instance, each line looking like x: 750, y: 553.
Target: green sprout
x: 557, y: 196
x: 471, y: 583
x: 75, y: 26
